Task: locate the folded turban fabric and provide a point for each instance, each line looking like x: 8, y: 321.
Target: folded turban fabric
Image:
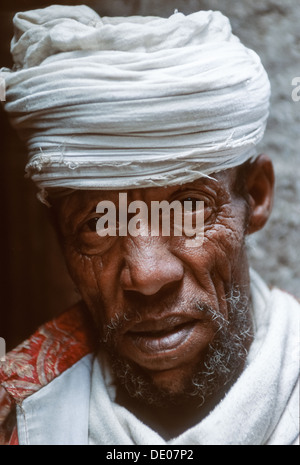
x: 125, y: 102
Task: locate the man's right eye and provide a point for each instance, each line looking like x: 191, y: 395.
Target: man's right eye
x: 90, y: 241
x: 91, y: 224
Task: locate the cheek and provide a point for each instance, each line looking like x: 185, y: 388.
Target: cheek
x: 85, y: 272
x: 97, y: 279
x: 219, y: 263
x: 226, y: 241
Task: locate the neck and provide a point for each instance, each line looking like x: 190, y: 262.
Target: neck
x: 173, y: 420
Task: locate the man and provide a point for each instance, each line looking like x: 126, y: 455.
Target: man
x: 175, y: 341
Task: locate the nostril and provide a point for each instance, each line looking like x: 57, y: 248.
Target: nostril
x: 150, y: 285
x: 140, y: 301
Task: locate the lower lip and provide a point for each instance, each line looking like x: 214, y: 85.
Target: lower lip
x: 169, y: 347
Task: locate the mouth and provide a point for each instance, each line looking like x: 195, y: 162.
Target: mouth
x: 165, y: 343
x: 159, y: 337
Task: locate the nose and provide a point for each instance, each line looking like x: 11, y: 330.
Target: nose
x: 149, y: 266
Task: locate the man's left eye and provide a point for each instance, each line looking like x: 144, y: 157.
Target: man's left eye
x: 198, y: 204
x: 191, y: 203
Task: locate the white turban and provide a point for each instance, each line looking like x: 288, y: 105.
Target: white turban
x: 112, y: 103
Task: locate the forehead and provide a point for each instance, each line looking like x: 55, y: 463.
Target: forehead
x: 218, y: 184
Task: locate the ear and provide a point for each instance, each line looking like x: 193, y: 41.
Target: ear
x: 260, y: 181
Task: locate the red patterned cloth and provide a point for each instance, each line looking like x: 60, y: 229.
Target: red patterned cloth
x: 52, y: 349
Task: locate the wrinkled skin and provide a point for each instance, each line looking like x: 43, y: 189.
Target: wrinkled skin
x: 158, y: 280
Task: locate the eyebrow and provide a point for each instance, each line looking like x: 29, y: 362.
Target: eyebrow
x: 204, y: 181
x: 102, y: 195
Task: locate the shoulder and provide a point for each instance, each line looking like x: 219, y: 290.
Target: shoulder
x: 263, y: 295
x: 287, y: 301
x: 52, y: 349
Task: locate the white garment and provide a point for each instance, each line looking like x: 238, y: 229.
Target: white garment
x: 261, y: 408
x: 58, y: 414
x: 111, y: 103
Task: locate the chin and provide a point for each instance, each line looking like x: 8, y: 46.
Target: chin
x: 175, y: 382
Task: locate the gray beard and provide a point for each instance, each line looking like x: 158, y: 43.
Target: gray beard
x: 220, y: 367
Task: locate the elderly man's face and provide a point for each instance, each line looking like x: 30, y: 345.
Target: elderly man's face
x: 159, y: 304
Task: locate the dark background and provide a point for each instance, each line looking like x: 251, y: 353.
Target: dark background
x: 34, y: 282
